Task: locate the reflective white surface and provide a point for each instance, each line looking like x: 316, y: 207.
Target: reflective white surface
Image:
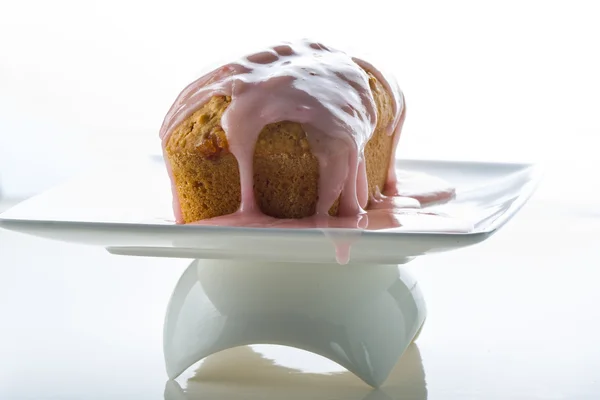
x: 516, y: 317
x: 274, y: 372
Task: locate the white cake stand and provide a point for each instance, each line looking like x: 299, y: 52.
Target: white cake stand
x: 276, y: 286
x: 361, y: 316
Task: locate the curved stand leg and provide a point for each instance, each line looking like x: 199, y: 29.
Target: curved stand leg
x: 361, y: 316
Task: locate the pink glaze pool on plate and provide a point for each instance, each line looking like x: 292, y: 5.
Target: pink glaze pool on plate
x: 405, y: 206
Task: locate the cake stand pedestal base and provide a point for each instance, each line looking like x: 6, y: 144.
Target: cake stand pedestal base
x: 360, y: 316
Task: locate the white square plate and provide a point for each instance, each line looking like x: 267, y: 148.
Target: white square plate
x: 127, y: 209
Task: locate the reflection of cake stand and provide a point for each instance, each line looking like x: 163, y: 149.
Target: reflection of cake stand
x: 361, y: 316
x: 279, y: 286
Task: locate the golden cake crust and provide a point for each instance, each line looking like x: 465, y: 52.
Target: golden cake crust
x: 286, y: 173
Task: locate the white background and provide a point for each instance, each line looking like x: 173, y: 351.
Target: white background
x: 82, y: 82
x: 516, y: 317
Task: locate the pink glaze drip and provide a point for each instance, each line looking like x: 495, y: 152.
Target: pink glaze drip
x: 323, y: 89
x: 327, y: 92
x: 399, y: 105
x: 386, y: 212
x: 422, y: 187
x: 387, y: 216
x: 379, y: 201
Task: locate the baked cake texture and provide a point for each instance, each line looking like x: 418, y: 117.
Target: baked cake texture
x: 206, y: 174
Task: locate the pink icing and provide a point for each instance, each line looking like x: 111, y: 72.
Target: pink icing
x: 424, y: 188
x: 386, y: 212
x: 323, y: 89
x: 327, y: 92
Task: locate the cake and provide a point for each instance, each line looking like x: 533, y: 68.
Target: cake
x: 296, y: 130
